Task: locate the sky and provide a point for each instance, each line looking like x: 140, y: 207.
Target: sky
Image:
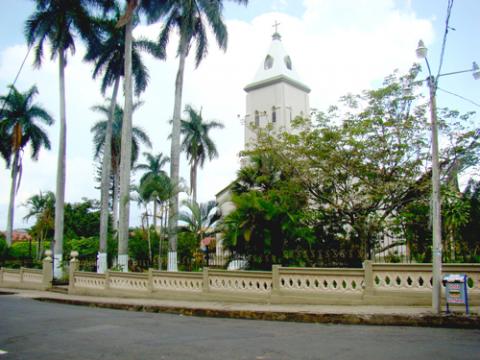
x: 336, y: 46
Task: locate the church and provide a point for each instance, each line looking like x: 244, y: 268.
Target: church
x: 274, y: 97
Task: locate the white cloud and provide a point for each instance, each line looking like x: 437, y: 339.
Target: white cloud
x: 336, y: 47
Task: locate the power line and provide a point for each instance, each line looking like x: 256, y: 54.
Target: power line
x: 15, y: 80
x: 444, y: 42
x: 461, y: 97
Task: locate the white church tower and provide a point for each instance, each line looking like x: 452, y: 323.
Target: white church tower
x: 276, y: 95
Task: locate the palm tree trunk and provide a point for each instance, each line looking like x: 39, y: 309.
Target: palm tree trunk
x: 61, y: 169
x: 106, y: 172
x: 39, y: 240
x: 116, y: 180
x: 175, y: 160
x: 160, y: 236
x: 126, y: 154
x: 155, y: 215
x: 148, y: 235
x: 194, y: 180
x: 11, y: 206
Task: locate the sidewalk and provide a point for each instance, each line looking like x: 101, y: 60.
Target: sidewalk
x: 336, y: 314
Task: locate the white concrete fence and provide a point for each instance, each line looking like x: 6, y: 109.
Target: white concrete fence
x: 380, y: 284
x: 23, y: 278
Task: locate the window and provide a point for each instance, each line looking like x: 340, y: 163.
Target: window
x: 288, y: 62
x: 268, y: 62
x: 274, y: 115
x: 257, y: 118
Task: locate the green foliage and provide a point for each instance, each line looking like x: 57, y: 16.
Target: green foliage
x: 21, y: 250
x: 82, y: 219
x: 189, y: 257
x: 268, y: 224
x: 87, y: 247
x: 3, y: 248
x: 138, y: 245
x: 469, y: 244
x: 330, y: 191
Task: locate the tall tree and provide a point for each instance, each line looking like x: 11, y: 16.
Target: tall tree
x: 108, y: 56
x: 58, y: 21
x: 20, y: 127
x: 153, y: 9
x: 190, y: 18
x: 99, y: 130
x: 153, y: 168
x: 42, y: 206
x: 197, y: 143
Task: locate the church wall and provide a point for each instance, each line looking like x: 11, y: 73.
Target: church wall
x: 297, y: 102
x: 289, y: 102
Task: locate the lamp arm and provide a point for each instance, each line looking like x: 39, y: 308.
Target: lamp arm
x: 456, y: 72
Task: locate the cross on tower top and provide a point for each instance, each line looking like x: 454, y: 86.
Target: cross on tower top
x: 275, y: 25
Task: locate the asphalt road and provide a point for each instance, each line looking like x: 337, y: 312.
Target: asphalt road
x: 36, y: 330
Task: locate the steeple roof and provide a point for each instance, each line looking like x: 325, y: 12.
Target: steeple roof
x: 277, y: 66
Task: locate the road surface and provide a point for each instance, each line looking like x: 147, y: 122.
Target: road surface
x: 31, y: 329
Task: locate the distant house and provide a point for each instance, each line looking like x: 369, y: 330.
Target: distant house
x: 19, y: 235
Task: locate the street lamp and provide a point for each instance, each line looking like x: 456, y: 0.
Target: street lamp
x: 436, y: 205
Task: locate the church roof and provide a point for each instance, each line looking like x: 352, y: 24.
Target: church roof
x: 277, y: 66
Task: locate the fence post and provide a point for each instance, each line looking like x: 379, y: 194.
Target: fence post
x: 21, y: 277
x: 368, y: 277
x: 107, y: 280
x: 150, y: 280
x: 276, y: 279
x: 205, y: 284
x: 73, y: 268
x: 47, y: 270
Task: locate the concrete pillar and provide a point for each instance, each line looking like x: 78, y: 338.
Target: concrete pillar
x: 21, y: 277
x: 206, y: 285
x: 47, y: 270
x: 73, y: 267
x: 107, y: 280
x: 276, y: 279
x: 368, y: 277
x: 150, y: 280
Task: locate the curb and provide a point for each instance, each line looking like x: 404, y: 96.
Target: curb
x: 427, y: 320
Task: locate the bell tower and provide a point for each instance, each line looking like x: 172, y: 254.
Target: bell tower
x: 276, y: 95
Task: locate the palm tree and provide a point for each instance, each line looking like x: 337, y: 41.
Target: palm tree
x: 153, y: 168
x: 42, y: 206
x: 19, y: 126
x: 57, y: 21
x: 153, y: 9
x: 108, y: 56
x: 99, y: 130
x: 189, y: 17
x: 200, y: 219
x: 197, y: 143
